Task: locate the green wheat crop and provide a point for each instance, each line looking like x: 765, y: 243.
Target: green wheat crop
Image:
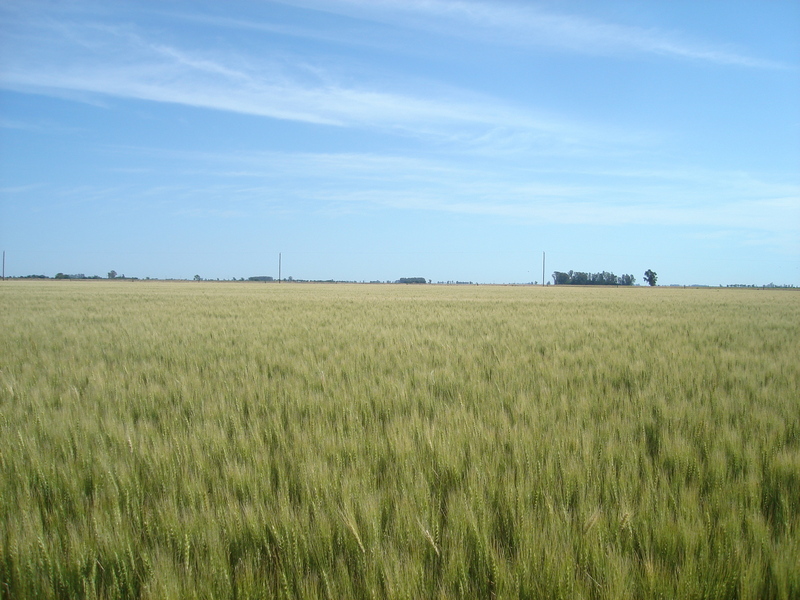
x: 199, y: 440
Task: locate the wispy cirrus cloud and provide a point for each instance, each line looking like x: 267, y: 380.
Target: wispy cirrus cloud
x: 526, y: 24
x: 74, y: 59
x: 90, y: 60
x: 353, y: 182
x: 44, y: 127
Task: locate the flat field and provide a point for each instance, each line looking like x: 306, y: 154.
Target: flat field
x: 232, y: 440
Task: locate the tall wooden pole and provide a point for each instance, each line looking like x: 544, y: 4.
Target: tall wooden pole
x: 542, y: 268
x: 279, y: 267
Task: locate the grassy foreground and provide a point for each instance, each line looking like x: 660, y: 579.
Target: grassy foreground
x: 182, y: 440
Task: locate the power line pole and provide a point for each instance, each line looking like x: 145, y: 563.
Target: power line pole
x: 542, y: 267
x: 279, y: 267
x: 4, y: 265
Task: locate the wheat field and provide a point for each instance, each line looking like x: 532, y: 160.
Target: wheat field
x: 234, y: 440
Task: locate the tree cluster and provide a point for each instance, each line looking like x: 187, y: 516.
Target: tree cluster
x: 581, y: 278
x: 412, y: 280
x: 75, y: 276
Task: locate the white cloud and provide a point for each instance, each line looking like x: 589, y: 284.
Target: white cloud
x: 71, y: 60
x: 526, y: 24
x: 44, y: 127
x: 323, y: 181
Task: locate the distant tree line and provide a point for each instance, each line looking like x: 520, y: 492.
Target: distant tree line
x: 581, y: 278
x: 412, y: 280
x: 752, y: 285
x: 75, y: 276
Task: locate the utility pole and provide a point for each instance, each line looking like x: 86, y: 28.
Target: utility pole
x: 279, y: 267
x: 542, y: 267
x: 4, y: 265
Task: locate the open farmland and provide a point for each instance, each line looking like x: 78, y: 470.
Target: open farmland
x: 163, y: 440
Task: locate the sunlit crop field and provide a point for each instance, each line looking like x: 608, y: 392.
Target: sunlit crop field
x: 232, y: 440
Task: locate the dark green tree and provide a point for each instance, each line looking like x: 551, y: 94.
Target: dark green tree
x: 560, y: 278
x: 579, y: 278
x: 650, y: 277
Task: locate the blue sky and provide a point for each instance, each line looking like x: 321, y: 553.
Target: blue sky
x: 379, y: 139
